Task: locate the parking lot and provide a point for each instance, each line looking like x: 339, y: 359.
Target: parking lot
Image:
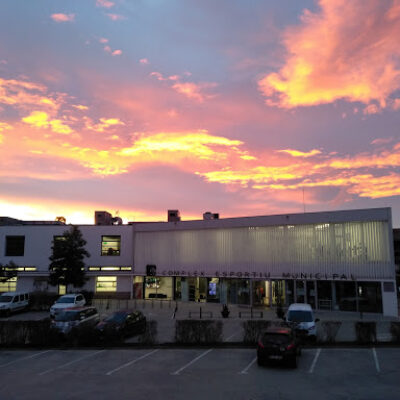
x: 160, y: 373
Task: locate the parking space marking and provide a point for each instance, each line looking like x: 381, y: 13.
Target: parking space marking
x: 248, y: 367
x: 131, y: 362
x: 177, y: 372
x: 70, y: 363
x: 25, y: 358
x: 230, y: 337
x: 311, y: 370
x: 378, y: 369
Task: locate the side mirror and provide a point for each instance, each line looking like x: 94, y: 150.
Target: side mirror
x: 316, y: 319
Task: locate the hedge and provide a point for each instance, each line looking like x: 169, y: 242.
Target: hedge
x: 198, y: 331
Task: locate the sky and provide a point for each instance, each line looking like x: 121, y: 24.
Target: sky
x: 236, y: 107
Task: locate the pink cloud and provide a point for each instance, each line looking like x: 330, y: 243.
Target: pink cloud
x: 104, y: 3
x: 115, y: 17
x: 144, y: 61
x: 103, y: 40
x: 328, y: 56
x: 63, y: 17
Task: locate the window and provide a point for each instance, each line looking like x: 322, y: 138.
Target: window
x: 62, y: 289
x: 106, y: 284
x: 9, y: 286
x: 110, y: 245
x: 15, y: 246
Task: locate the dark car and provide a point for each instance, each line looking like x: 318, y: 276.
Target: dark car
x: 123, y: 323
x: 278, y: 344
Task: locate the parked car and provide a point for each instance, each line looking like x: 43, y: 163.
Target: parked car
x: 13, y: 301
x: 301, y: 317
x: 67, y: 301
x: 67, y: 319
x: 278, y: 344
x: 123, y: 323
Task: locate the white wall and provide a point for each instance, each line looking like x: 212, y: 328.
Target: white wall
x: 389, y: 302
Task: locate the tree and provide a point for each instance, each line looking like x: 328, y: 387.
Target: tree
x: 67, y: 266
x: 8, y: 271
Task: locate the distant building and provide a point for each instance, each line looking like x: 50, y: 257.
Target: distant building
x: 339, y: 260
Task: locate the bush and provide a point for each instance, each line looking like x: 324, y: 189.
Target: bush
x: 366, y: 332
x: 150, y: 334
x: 83, y: 336
x: 42, y: 301
x: 395, y: 331
x: 252, y: 330
x: 20, y: 333
x: 329, y: 331
x: 198, y: 331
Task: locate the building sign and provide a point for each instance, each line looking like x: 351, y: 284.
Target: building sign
x: 262, y: 275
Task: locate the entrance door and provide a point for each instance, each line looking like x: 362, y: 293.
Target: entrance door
x: 300, y: 292
x: 311, y: 294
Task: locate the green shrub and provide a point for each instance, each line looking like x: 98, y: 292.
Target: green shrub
x: 42, y: 301
x: 149, y: 336
x: 252, y: 330
x: 329, y: 330
x: 366, y: 332
x: 395, y: 331
x: 198, y: 331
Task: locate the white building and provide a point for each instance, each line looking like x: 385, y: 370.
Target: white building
x: 333, y: 260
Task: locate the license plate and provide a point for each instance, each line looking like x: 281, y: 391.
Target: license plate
x: 275, y: 357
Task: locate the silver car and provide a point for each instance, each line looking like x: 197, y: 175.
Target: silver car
x: 76, y: 317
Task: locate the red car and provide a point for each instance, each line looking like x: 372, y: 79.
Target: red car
x: 278, y: 344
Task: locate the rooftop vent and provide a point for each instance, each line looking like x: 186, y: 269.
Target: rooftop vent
x: 209, y: 215
x: 174, y: 216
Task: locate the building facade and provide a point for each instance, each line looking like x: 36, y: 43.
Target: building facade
x: 341, y: 260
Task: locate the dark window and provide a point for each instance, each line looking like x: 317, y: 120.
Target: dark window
x: 110, y: 245
x: 15, y: 246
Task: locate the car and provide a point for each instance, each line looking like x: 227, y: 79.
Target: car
x: 13, y: 301
x: 124, y: 323
x: 76, y: 317
x: 301, y: 317
x: 67, y: 301
x: 278, y: 344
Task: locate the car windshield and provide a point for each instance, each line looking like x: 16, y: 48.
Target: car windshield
x: 5, y: 299
x: 276, y: 338
x: 65, y: 300
x: 299, y: 316
x: 117, y: 317
x: 67, y: 316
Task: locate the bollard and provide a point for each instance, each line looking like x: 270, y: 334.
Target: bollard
x: 161, y: 303
x: 200, y: 312
x: 152, y: 303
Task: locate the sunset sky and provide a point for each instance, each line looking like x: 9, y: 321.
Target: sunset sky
x: 230, y: 106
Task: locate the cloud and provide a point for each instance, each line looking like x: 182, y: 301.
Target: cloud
x: 371, y: 109
x: 103, y: 40
x: 80, y: 107
x: 103, y: 124
x: 296, y: 153
x: 63, y: 17
x: 4, y: 126
x: 144, y: 61
x: 104, y: 3
x: 115, y: 17
x: 329, y: 56
x: 108, y: 49
x: 40, y: 119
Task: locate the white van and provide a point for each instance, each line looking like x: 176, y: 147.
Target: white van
x: 302, y: 316
x: 13, y: 301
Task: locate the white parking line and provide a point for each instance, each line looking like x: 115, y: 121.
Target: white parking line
x: 230, y: 337
x: 131, y: 362
x: 191, y: 362
x: 248, y: 367
x: 311, y: 370
x: 25, y: 358
x: 71, y: 362
x: 378, y: 369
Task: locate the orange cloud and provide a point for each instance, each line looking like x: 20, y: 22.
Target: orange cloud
x: 329, y: 56
x: 296, y: 153
x: 63, y: 17
x: 40, y: 119
x: 103, y: 124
